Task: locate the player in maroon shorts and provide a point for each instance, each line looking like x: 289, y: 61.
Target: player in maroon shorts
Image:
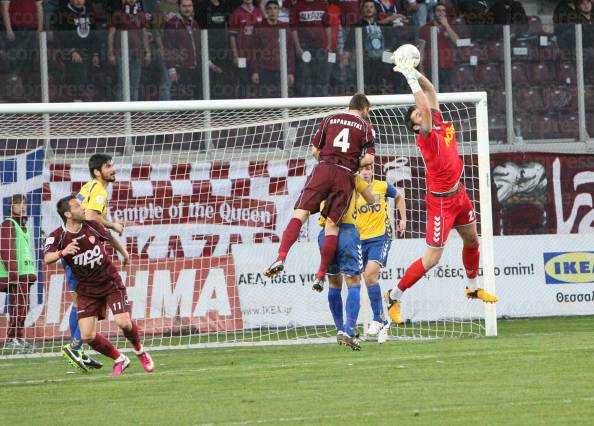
x: 342, y: 144
x: 80, y: 243
x: 448, y: 205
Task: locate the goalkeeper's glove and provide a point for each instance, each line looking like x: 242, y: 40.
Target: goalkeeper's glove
x: 405, y: 66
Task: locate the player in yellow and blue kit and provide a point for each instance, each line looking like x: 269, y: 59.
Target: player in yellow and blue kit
x: 93, y: 197
x: 347, y: 262
x: 375, y: 228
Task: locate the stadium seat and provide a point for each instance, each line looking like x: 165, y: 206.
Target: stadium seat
x: 528, y: 99
x: 535, y: 25
x: 460, y: 26
x: 566, y: 73
x: 519, y: 75
x: 524, y: 50
x: 464, y: 76
x: 567, y: 125
x: 464, y: 54
x: 497, y: 130
x: 526, y: 127
x: 549, y: 51
x: 489, y: 75
x: 496, y: 101
x: 560, y: 99
x: 495, y: 50
x: 11, y: 88
x: 541, y: 73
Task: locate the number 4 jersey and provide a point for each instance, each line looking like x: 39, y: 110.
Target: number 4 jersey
x: 92, y: 266
x: 343, y: 139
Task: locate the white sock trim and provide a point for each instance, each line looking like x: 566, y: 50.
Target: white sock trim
x: 472, y: 283
x: 140, y: 352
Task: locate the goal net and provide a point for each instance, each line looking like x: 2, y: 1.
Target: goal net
x: 205, y: 189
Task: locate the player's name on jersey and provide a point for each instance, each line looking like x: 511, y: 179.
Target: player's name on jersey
x: 343, y: 122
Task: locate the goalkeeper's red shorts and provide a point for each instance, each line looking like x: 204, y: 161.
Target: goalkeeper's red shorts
x: 445, y: 213
x: 332, y: 184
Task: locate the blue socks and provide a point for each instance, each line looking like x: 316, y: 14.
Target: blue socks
x: 353, y: 304
x: 375, y: 298
x: 75, y: 340
x: 335, y: 303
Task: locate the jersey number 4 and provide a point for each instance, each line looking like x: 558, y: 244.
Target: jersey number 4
x: 342, y: 140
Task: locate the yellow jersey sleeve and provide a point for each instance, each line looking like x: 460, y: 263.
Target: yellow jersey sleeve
x: 94, y: 197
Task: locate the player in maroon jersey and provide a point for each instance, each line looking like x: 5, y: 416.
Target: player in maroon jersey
x: 342, y: 144
x: 448, y: 205
x: 80, y: 243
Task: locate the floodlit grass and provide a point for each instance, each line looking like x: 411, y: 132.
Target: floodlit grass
x: 538, y: 371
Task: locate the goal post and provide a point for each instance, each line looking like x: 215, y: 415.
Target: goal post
x: 206, y: 189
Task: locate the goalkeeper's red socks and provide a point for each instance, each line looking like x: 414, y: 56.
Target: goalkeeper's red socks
x: 133, y: 336
x: 290, y: 235
x: 105, y: 347
x: 327, y: 254
x: 470, y: 258
x: 413, y: 274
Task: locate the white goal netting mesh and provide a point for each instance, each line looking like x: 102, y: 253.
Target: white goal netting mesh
x: 205, y: 197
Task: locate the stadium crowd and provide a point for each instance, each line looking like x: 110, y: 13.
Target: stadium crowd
x: 165, y: 49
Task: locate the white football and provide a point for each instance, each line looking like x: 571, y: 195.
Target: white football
x: 407, y: 51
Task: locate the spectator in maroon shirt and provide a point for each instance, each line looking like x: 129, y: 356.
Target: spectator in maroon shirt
x: 446, y: 44
x: 242, y: 24
x: 310, y: 35
x: 266, y: 66
x: 132, y: 19
x: 351, y: 12
x: 22, y: 18
x: 16, y: 284
x: 183, y: 55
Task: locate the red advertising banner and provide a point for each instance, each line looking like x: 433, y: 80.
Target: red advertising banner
x: 168, y: 297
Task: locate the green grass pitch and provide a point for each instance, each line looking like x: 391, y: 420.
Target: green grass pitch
x: 538, y: 371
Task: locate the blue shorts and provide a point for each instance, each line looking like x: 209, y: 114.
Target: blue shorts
x: 70, y: 280
x: 376, y: 249
x: 347, y: 259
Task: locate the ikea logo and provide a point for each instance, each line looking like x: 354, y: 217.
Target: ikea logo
x: 569, y: 267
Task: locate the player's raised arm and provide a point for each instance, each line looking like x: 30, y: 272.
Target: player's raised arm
x: 405, y: 59
x: 428, y: 90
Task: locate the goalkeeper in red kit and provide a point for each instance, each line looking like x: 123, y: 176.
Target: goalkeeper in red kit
x: 343, y: 143
x: 80, y: 243
x: 448, y: 205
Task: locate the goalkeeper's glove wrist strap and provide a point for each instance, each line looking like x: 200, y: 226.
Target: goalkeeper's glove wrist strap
x: 414, y: 84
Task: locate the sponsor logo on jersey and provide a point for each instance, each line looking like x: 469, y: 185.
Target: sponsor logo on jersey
x: 90, y: 258
x: 569, y: 267
x: 449, y: 134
